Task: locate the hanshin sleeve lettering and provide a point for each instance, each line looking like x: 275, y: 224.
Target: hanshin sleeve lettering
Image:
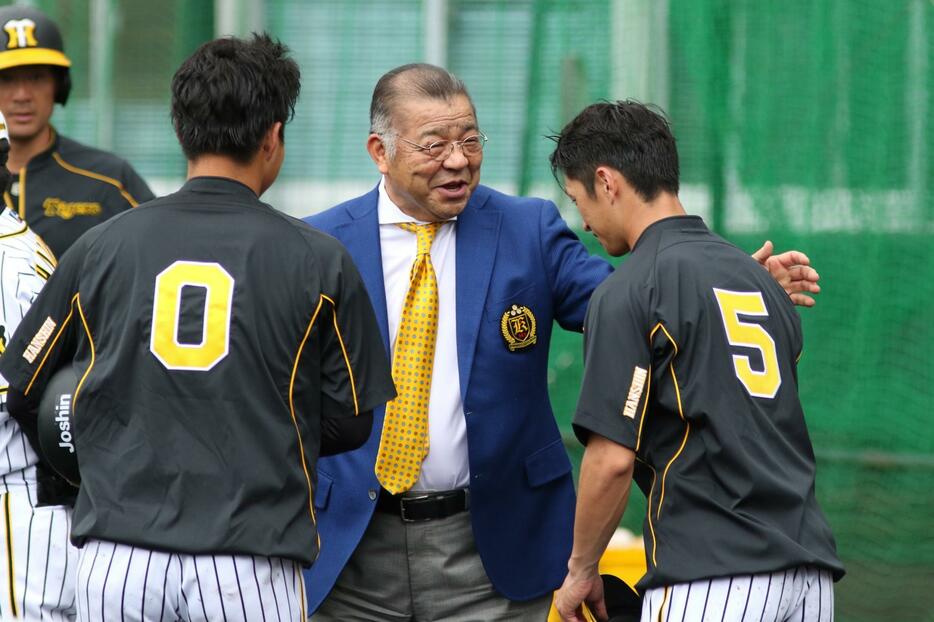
x: 617, y: 366
x: 44, y: 339
x: 23, y: 275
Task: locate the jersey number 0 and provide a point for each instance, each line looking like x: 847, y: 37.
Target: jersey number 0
x: 758, y: 383
x: 167, y: 310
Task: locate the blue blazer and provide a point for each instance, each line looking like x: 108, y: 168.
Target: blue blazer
x: 510, y: 251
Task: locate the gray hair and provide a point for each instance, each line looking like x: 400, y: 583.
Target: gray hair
x: 415, y: 80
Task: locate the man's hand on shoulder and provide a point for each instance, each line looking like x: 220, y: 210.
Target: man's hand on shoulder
x: 792, y: 270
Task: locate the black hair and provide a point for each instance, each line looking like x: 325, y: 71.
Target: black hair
x: 227, y: 95
x: 626, y: 135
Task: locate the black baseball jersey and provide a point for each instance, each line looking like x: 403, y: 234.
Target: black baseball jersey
x: 691, y: 351
x: 68, y: 188
x: 211, y: 336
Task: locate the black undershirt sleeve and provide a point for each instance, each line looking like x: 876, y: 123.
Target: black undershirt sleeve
x: 25, y: 410
x: 340, y: 434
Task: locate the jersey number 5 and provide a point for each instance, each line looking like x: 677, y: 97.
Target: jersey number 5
x: 762, y: 383
x: 167, y: 310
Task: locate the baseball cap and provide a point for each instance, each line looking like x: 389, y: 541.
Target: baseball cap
x: 29, y: 37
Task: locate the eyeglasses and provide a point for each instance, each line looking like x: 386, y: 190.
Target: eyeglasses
x: 442, y: 149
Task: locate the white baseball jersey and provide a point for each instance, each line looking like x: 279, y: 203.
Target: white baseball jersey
x: 37, y: 562
x: 25, y: 265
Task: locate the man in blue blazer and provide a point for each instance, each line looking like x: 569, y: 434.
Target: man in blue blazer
x: 485, y: 531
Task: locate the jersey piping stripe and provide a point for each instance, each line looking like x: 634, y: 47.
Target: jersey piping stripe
x: 645, y: 406
x: 340, y: 339
x: 301, y: 446
x: 74, y: 400
x: 51, y: 346
x: 9, y: 555
x: 13, y: 234
x: 41, y: 272
x: 46, y: 254
x: 80, y: 171
x: 648, y: 509
x: 86, y: 173
x: 687, y: 426
x: 667, y: 334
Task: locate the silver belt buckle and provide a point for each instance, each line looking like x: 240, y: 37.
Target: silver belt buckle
x: 402, y: 501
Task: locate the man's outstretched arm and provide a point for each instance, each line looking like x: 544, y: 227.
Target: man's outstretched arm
x: 603, y: 491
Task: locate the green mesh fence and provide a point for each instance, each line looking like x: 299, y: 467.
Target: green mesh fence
x: 810, y: 122
x: 805, y: 122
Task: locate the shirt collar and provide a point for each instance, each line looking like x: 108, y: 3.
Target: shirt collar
x: 215, y: 185
x: 46, y: 153
x: 684, y: 221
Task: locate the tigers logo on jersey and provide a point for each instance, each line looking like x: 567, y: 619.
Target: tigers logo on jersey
x: 57, y: 208
x: 21, y: 33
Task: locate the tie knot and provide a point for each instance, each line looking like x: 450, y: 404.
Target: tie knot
x: 425, y: 234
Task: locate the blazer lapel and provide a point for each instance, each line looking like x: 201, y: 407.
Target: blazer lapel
x: 360, y: 236
x: 477, y: 239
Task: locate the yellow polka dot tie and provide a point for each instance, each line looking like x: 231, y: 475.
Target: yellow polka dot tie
x: 404, y: 443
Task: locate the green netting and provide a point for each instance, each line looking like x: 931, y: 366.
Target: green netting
x: 135, y: 50
x: 810, y: 122
x: 805, y: 122
x: 343, y: 48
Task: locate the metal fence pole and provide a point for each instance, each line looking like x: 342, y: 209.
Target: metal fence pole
x: 103, y: 24
x: 238, y: 17
x: 436, y: 31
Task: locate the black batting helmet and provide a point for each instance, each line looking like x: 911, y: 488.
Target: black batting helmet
x: 34, y: 39
x: 55, y: 425
x: 623, y: 602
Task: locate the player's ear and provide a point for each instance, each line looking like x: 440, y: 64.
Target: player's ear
x: 605, y: 182
x: 272, y: 141
x: 376, y: 147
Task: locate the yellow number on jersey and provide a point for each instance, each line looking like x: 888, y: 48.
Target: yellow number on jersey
x: 762, y: 383
x: 215, y: 340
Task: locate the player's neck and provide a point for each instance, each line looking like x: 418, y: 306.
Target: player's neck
x: 215, y: 165
x: 22, y: 150
x: 665, y: 205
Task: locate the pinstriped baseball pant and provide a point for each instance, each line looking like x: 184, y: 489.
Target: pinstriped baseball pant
x: 37, y: 563
x: 802, y: 594
x: 118, y: 582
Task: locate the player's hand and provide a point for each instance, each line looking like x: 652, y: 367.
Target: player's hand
x: 792, y: 270
x: 577, y: 591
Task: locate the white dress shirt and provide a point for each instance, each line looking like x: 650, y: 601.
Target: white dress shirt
x: 446, y: 465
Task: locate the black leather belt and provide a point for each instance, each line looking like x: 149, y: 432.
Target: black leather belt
x: 413, y: 507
